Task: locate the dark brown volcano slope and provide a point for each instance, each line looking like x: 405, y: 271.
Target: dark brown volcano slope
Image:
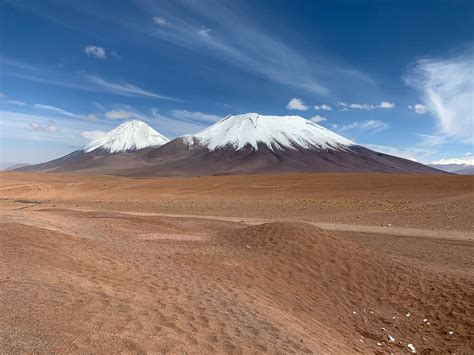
x: 177, y: 158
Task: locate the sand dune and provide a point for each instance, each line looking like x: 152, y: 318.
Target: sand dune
x: 99, y: 281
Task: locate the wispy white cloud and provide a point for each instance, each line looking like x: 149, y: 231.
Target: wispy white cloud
x: 49, y: 127
x: 428, y: 140
x: 419, y: 108
x: 372, y: 126
x: 467, y: 160
x: 2, y: 95
x: 16, y: 102
x: 296, y: 104
x: 176, y: 127
x: 93, y: 135
x: 356, y: 106
x: 60, y: 111
x: 318, y: 118
x: 43, y: 127
x: 78, y: 81
x: 367, y: 107
x: 195, y: 116
x: 160, y: 21
x: 415, y: 154
x: 122, y: 115
x: 323, y: 107
x: 55, y: 109
x: 386, y: 104
x: 205, y: 32
x: 176, y: 122
x: 238, y: 38
x: 125, y: 89
x: 95, y: 52
x: 447, y: 89
x: 91, y: 117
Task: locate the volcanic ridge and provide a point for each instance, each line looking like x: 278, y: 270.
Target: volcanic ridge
x: 238, y: 144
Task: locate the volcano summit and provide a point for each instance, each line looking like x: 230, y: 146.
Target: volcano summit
x: 238, y: 144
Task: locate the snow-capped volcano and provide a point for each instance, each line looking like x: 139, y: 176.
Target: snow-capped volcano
x: 129, y: 136
x: 275, y: 132
x: 238, y: 144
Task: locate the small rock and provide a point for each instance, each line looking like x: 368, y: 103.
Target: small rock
x: 450, y: 332
x: 412, y: 348
x: 382, y: 329
x: 354, y: 312
x: 391, y: 338
x: 408, y: 314
x: 379, y: 344
x: 425, y: 320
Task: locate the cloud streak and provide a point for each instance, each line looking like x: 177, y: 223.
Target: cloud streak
x: 95, y: 52
x: 419, y: 108
x: 56, y: 110
x: 317, y: 119
x: 372, y: 126
x: 49, y: 127
x: 93, y: 135
x: 195, y: 116
x: 176, y: 127
x: 79, y: 81
x: 229, y: 33
x: 125, y: 89
x: 121, y: 115
x: 368, y: 107
x: 160, y: 21
x: 296, y: 104
x: 416, y: 154
x: 40, y: 127
x: 323, y: 107
x: 447, y: 90
x: 16, y: 102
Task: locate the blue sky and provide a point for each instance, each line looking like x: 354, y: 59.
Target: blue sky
x: 396, y: 76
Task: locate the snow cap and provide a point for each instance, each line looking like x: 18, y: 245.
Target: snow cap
x: 276, y: 132
x: 129, y: 136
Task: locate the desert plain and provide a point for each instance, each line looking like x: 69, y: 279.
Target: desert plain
x: 296, y: 263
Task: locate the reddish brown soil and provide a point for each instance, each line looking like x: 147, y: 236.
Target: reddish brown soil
x: 238, y: 280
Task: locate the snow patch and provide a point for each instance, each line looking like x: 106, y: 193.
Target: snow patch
x: 276, y: 132
x: 129, y: 136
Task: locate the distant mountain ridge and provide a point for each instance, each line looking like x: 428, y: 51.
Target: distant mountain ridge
x: 463, y: 166
x: 238, y: 144
x: 12, y: 166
